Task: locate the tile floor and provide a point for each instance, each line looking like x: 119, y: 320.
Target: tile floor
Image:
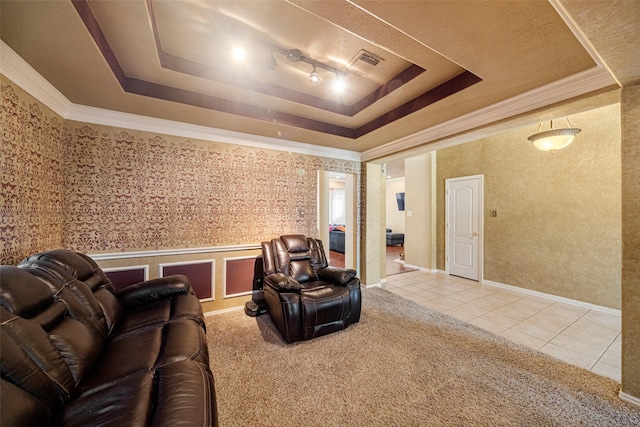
x: 578, y: 335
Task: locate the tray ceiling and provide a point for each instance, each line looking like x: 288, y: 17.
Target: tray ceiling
x: 172, y: 59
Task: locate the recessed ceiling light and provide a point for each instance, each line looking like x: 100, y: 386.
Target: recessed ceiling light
x: 339, y: 84
x: 239, y: 54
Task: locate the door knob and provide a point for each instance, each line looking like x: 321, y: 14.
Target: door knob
x: 474, y: 234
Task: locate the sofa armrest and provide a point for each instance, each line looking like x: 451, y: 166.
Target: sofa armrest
x: 282, y: 282
x: 155, y: 289
x: 336, y: 276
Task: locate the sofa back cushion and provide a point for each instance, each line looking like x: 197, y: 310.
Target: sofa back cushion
x: 96, y: 290
x: 51, y: 335
x: 30, y: 359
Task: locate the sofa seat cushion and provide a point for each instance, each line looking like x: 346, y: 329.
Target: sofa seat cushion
x: 154, y: 346
x: 169, y: 395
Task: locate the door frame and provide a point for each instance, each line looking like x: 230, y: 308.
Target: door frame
x: 447, y: 245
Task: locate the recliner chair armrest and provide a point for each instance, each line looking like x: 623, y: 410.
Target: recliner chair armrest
x: 337, y: 276
x: 155, y: 289
x: 282, y: 282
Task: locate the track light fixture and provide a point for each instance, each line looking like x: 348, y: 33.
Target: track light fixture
x: 314, y: 77
x: 296, y: 55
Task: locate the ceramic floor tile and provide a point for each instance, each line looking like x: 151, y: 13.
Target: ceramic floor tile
x: 509, y: 296
x: 568, y: 356
x: 442, y: 304
x: 518, y: 310
x: 463, y: 296
x: 460, y: 314
x: 531, y: 328
x: 489, y: 302
x: 607, y: 370
x: 552, y: 319
x: 499, y: 319
x: 535, y: 301
x: 582, y: 342
x: 575, y: 334
x: 602, y: 319
x: 488, y: 325
x: 522, y: 338
x: 613, y: 355
x: 471, y: 309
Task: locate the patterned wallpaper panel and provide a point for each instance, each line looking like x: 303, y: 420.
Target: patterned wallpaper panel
x: 31, y: 181
x: 94, y: 188
x: 131, y: 190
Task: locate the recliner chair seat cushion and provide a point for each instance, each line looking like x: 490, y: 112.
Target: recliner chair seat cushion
x: 324, y: 305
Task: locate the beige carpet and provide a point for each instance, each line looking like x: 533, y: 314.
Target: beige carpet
x: 402, y: 365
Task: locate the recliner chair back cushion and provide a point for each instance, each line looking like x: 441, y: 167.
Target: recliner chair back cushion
x: 293, y: 257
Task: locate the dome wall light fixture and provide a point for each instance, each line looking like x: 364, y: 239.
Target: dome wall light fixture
x: 554, y: 138
x: 314, y: 77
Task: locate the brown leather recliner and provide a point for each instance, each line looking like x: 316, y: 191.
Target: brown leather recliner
x: 304, y: 296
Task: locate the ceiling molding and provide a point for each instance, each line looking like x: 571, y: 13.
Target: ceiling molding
x: 578, y: 84
x: 16, y: 69
x: 99, y: 116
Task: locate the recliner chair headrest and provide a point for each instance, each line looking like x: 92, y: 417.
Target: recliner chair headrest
x: 295, y: 243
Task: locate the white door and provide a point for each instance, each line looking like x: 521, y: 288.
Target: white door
x: 464, y: 226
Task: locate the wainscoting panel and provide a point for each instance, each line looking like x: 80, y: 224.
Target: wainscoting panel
x: 200, y: 273
x: 219, y: 289
x: 238, y: 276
x: 121, y: 277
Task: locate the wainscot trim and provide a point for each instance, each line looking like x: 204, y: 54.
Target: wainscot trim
x: 171, y: 252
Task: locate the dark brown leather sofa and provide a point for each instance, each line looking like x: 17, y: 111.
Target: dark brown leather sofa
x: 74, y: 352
x: 305, y: 297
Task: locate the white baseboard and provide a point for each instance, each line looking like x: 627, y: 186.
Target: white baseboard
x: 224, y: 310
x: 553, y: 297
x: 629, y: 399
x: 417, y: 267
x: 376, y: 285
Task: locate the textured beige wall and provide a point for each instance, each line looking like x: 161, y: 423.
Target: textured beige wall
x: 631, y: 240
x: 31, y: 180
x: 418, y: 209
x: 372, y: 244
x: 558, y: 225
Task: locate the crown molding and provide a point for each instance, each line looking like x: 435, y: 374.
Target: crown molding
x: 577, y: 84
x: 16, y: 69
x: 100, y: 116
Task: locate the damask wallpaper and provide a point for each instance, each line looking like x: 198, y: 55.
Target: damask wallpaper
x: 98, y: 189
x: 130, y: 190
x: 31, y: 179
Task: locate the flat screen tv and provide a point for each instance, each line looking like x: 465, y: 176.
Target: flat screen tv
x: 400, y: 200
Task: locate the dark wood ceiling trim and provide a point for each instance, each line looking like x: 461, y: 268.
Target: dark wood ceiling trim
x: 154, y: 90
x: 448, y: 88
x: 182, y: 96
x: 83, y: 9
